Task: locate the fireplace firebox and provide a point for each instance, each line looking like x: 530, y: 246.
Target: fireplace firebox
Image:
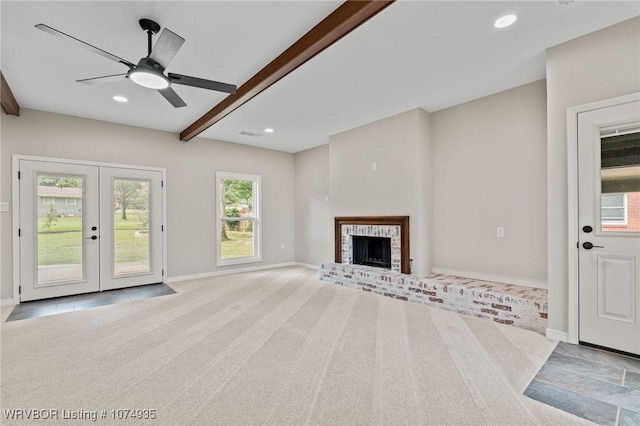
x: 371, y: 251
x: 393, y: 228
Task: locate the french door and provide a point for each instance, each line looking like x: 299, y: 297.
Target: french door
x: 87, y: 228
x: 609, y: 221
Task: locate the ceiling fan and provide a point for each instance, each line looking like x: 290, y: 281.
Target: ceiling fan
x: 149, y: 71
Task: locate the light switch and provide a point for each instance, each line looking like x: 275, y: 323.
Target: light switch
x: 500, y: 232
x: 374, y: 166
x: 4, y: 207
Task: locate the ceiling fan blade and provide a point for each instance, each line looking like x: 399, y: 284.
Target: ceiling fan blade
x: 103, y: 79
x: 202, y: 83
x: 173, y: 98
x: 77, y: 42
x: 166, y: 47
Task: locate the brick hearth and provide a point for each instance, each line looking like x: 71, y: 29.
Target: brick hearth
x: 523, y: 307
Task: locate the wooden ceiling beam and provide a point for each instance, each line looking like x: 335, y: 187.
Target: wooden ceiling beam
x: 349, y: 16
x: 7, y: 100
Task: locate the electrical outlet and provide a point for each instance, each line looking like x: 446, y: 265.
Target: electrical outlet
x: 281, y: 245
x: 374, y: 166
x: 500, y: 232
x: 4, y: 207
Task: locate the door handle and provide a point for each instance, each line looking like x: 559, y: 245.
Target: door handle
x: 93, y: 237
x: 589, y: 246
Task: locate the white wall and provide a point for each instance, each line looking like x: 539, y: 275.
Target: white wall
x: 314, y: 243
x: 190, y: 182
x: 598, y: 66
x: 458, y: 173
x: 424, y: 223
x: 400, y: 147
x: 489, y: 171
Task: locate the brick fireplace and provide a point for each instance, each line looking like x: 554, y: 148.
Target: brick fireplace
x: 524, y: 307
x: 393, y: 228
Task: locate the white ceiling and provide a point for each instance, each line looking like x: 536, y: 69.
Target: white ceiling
x: 428, y: 54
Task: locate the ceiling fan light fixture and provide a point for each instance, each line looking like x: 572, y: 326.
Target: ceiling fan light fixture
x: 150, y: 70
x: 149, y: 78
x: 268, y: 130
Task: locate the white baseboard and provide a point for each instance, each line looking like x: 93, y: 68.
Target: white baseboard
x: 526, y: 282
x: 6, y: 302
x: 308, y: 266
x: 557, y: 335
x: 227, y: 272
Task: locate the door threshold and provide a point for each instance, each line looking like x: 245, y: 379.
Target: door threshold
x: 60, y: 305
x: 604, y: 348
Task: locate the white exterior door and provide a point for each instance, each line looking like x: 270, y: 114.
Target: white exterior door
x: 609, y: 221
x: 58, y: 213
x: 131, y: 219
x: 87, y: 228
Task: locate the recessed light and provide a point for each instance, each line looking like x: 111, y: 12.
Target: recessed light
x: 505, y: 21
x: 268, y: 130
x: 119, y: 98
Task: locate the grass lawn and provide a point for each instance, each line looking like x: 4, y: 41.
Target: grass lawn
x: 239, y: 244
x: 63, y: 245
x: 60, y: 248
x: 65, y: 224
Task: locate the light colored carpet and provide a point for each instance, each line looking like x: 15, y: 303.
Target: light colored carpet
x: 275, y: 347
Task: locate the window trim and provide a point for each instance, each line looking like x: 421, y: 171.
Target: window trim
x: 624, y: 212
x: 257, y: 228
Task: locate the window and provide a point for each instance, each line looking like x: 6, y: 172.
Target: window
x: 71, y: 201
x: 614, y: 209
x: 47, y: 201
x: 238, y: 217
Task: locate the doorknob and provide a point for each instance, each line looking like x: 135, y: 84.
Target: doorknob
x: 589, y: 246
x: 93, y: 237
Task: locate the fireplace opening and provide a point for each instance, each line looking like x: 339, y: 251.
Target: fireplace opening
x: 371, y: 251
x: 396, y: 228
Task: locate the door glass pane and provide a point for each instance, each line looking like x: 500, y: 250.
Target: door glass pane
x: 620, y: 183
x: 131, y: 226
x: 60, y: 237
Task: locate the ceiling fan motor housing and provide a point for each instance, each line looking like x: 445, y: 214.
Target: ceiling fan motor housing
x: 150, y: 64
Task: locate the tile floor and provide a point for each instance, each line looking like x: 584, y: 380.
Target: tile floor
x: 596, y: 385
x: 61, y: 305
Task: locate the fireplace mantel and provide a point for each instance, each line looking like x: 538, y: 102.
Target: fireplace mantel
x: 401, y: 221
